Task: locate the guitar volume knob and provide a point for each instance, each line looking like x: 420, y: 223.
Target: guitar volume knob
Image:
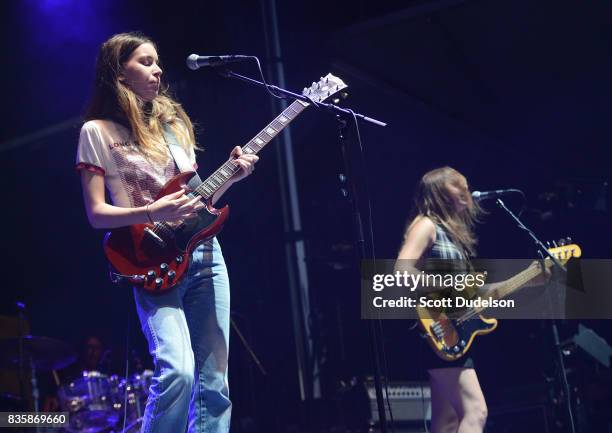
x: 171, y: 275
x: 151, y: 275
x: 179, y: 259
x: 163, y: 268
x: 158, y: 283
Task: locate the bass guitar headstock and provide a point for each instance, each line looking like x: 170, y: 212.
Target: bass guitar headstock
x: 563, y: 250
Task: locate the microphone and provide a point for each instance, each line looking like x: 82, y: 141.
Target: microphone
x: 196, y: 62
x: 484, y: 195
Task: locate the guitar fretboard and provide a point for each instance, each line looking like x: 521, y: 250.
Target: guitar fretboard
x: 513, y: 284
x: 518, y: 281
x: 212, y: 184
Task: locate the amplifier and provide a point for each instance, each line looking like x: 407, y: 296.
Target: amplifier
x: 410, y: 401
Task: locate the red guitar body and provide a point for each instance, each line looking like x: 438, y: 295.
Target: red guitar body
x: 156, y: 256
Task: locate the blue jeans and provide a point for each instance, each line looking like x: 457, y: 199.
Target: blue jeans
x: 187, y: 330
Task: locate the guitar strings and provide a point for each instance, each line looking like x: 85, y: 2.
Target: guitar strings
x: 289, y: 113
x: 514, y: 283
x: 518, y: 279
x: 252, y: 147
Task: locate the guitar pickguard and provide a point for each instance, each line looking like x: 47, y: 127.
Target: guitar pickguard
x: 188, y: 232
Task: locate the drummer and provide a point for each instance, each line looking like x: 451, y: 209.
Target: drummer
x: 90, y: 359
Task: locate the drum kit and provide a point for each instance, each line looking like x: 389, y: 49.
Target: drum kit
x: 95, y: 402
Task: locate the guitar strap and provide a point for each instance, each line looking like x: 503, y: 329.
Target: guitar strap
x: 180, y: 157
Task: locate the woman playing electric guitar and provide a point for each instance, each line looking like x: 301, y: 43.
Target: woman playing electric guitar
x: 123, y: 148
x: 442, y: 228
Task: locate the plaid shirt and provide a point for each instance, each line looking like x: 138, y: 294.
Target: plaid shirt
x: 445, y: 257
x: 443, y: 247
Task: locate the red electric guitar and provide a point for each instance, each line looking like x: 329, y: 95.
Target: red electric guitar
x: 156, y: 256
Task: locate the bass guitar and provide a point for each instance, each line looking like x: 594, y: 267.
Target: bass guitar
x: 451, y: 338
x: 156, y: 256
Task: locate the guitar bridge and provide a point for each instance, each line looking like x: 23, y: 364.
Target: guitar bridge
x: 159, y: 241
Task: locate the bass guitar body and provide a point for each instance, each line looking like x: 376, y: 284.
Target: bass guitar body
x: 156, y: 256
x: 451, y: 339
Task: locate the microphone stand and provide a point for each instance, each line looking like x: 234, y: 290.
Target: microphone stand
x: 352, y: 196
x: 555, y: 330
x: 541, y: 247
x: 21, y: 317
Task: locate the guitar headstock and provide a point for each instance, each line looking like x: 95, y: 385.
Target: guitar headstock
x: 328, y: 87
x: 563, y: 250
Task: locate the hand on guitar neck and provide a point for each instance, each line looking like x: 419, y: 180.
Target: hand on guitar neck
x: 246, y: 163
x: 179, y: 206
x: 539, y: 280
x: 543, y: 277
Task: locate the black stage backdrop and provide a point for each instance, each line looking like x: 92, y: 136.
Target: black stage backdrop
x: 511, y: 93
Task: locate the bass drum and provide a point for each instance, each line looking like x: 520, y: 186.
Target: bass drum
x: 91, y: 403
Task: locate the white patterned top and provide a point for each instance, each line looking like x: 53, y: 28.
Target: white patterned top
x: 133, y: 180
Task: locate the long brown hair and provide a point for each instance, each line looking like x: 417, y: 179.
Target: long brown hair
x: 114, y: 100
x: 432, y: 200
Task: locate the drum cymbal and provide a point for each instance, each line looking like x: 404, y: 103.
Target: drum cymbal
x: 46, y: 353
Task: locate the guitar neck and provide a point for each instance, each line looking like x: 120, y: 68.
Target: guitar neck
x: 561, y: 253
x: 519, y: 280
x: 510, y: 286
x: 222, y: 175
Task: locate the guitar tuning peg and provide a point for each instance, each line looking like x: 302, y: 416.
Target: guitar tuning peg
x: 555, y: 244
x: 568, y: 240
x: 335, y: 100
x: 548, y: 244
x: 344, y: 95
x: 561, y: 242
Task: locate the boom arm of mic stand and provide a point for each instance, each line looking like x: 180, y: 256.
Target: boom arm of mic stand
x: 333, y: 108
x: 539, y: 243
